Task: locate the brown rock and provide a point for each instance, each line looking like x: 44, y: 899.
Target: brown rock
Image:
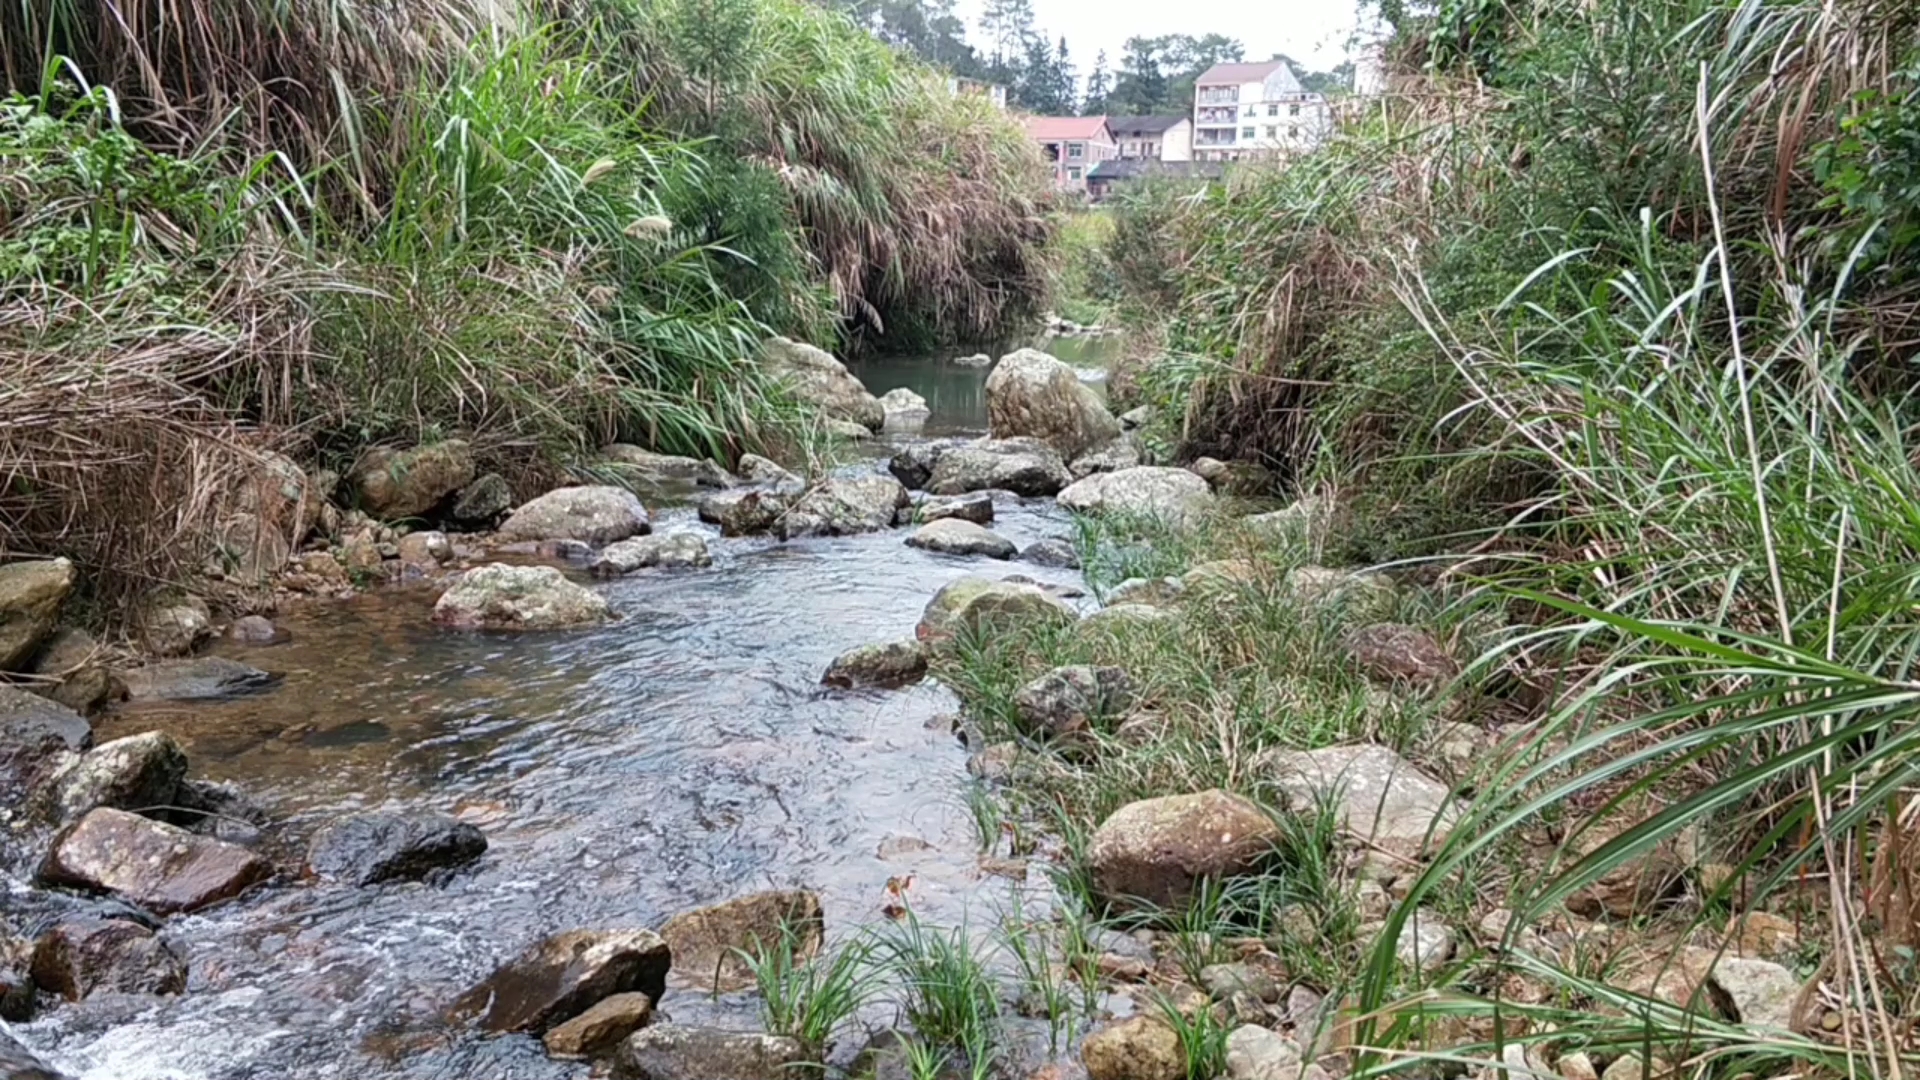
x: 30, y: 597
x: 1763, y: 934
x: 83, y: 956
x: 560, y: 977
x: 157, y: 866
x: 1399, y: 654
x: 707, y: 942
x: 1143, y: 1048
x: 407, y: 483
x: 1156, y: 851
x: 601, y: 1027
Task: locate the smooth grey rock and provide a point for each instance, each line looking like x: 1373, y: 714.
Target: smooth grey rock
x: 813, y: 376
x: 679, y: 1052
x: 673, y: 550
x: 844, y: 506
x: 1424, y: 943
x: 595, y: 514
x: 953, y: 536
x: 1052, y: 552
x: 892, y: 663
x: 1025, y: 467
x: 904, y: 408
x: 744, y: 512
x: 256, y: 630
x: 913, y: 465
x: 1381, y: 799
x: 976, y: 507
x: 503, y: 597
x: 763, y: 472
x: 1256, y: 1053
x: 665, y: 471
x: 200, y: 678
x: 1121, y: 453
x: 375, y: 846
x: 1147, y: 490
x: 971, y: 603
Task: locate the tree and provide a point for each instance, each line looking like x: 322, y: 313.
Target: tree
x: 1045, y: 81
x: 1157, y: 74
x: 1098, y: 86
x: 1007, y: 26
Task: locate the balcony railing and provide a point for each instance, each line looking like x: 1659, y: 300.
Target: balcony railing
x: 1214, y: 139
x: 1214, y: 95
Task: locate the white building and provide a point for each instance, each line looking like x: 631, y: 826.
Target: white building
x: 1153, y: 138
x: 1255, y: 110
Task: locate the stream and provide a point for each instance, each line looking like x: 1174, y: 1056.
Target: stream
x: 678, y: 757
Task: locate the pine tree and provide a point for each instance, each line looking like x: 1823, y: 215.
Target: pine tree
x: 1099, y: 85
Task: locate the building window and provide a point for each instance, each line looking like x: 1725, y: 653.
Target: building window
x: 1246, y: 133
x: 1274, y: 110
x: 1293, y: 110
x: 1272, y: 131
x: 1074, y: 173
x: 1076, y: 151
x: 1293, y: 132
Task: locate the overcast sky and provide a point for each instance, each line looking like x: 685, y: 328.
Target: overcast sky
x: 1313, y: 32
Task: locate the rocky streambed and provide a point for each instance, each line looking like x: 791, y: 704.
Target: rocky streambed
x: 304, y: 845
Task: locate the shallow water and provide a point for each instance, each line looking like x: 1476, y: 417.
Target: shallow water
x: 681, y: 756
x: 956, y: 394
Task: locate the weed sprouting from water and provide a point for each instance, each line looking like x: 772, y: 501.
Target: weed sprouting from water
x: 951, y: 999
x: 810, y: 998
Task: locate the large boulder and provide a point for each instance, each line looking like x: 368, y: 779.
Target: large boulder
x: 170, y: 623
x: 891, y: 663
x: 952, y: 536
x: 600, y: 1028
x: 1142, y: 1048
x: 1381, y: 800
x: 1069, y: 701
x: 976, y: 507
x: 35, y: 735
x: 904, y: 408
x: 682, y: 1052
x: 157, y: 866
x: 139, y: 773
x: 503, y: 597
x: 375, y: 846
x: 678, y: 550
x: 1023, y: 466
x: 1033, y: 394
x: 1146, y: 490
x: 707, y: 942
x: 410, y: 483
x: 815, y: 377
x: 1156, y: 851
x: 843, y: 506
x: 198, y: 679
x: 560, y: 977
x: 971, y: 603
x: 744, y: 512
x: 663, y: 471
x: 596, y: 514
x: 30, y: 597
x: 81, y: 957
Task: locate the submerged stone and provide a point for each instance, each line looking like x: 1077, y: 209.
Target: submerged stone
x: 560, y: 977
x: 707, y: 942
x: 371, y: 847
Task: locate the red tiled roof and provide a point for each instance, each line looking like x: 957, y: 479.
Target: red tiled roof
x: 1239, y: 73
x: 1066, y: 127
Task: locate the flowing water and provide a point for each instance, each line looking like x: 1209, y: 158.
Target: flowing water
x: 680, y: 756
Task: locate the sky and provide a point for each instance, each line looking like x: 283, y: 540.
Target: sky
x: 1313, y: 32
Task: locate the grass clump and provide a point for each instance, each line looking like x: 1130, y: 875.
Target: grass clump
x: 809, y: 999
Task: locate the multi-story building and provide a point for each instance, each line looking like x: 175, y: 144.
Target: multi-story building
x: 1153, y: 138
x: 1072, y: 146
x: 1255, y: 110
